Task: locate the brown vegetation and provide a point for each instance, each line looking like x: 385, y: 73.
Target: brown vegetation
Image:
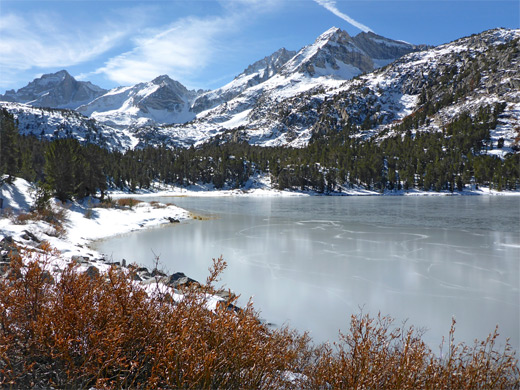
x: 72, y: 330
x: 54, y: 216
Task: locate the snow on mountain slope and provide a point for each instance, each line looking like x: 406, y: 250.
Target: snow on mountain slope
x: 459, y: 77
x: 56, y: 90
x: 59, y: 123
x: 161, y: 100
x: 253, y: 75
x: 326, y: 64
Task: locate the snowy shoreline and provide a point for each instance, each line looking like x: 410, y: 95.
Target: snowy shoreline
x: 84, y: 223
x: 87, y: 223
x: 261, y: 186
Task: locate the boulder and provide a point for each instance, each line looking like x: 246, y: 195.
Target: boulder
x: 92, y: 272
x: 180, y: 280
x: 30, y: 237
x: 157, y: 272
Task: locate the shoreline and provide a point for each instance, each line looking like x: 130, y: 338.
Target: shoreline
x: 86, y: 223
x: 263, y: 188
x: 83, y: 225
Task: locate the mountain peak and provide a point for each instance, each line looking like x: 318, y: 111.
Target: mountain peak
x: 162, y: 78
x: 336, y: 54
x: 57, y: 90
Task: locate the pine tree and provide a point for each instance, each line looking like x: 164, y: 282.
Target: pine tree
x: 9, y: 145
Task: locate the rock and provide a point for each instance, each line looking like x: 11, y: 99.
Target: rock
x: 179, y: 280
x: 172, y: 220
x: 229, y: 307
x: 7, y: 242
x: 157, y: 279
x: 226, y: 295
x: 157, y: 272
x: 30, y: 237
x: 79, y: 259
x: 176, y: 275
x: 92, y: 272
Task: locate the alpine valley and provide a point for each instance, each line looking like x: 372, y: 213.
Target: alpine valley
x: 365, y: 111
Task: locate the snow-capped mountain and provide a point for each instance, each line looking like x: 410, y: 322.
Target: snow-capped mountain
x: 48, y: 123
x: 327, y: 63
x: 56, y: 90
x: 459, y: 77
x: 438, y: 84
x: 285, y: 99
x: 253, y: 75
x: 161, y: 100
x: 335, y: 53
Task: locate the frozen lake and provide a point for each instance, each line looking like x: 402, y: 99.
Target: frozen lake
x: 311, y: 262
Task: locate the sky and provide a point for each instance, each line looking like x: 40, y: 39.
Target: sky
x: 206, y: 43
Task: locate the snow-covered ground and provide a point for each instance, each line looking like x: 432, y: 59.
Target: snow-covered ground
x: 84, y: 223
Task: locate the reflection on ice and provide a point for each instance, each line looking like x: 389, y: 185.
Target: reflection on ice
x: 312, y: 262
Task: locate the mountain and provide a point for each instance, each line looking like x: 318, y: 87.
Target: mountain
x: 289, y: 99
x: 161, y: 100
x: 437, y: 85
x: 427, y: 92
x: 56, y: 90
x: 51, y: 123
x: 335, y: 53
x: 253, y: 75
x: 332, y: 59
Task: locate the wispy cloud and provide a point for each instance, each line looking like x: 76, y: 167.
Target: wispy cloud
x: 34, y: 41
x: 178, y: 49
x: 184, y: 47
x: 331, y: 6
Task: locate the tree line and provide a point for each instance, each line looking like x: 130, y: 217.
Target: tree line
x: 333, y: 161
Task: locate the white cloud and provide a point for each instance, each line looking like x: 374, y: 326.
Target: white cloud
x: 36, y: 42
x: 180, y: 50
x: 331, y: 6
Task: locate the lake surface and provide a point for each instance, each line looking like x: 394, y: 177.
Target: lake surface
x: 311, y: 262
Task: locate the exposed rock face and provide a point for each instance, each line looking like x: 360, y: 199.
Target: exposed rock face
x: 378, y: 47
x: 56, y: 90
x: 161, y: 100
x: 336, y: 53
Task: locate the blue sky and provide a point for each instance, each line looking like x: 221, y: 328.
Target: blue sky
x: 205, y: 43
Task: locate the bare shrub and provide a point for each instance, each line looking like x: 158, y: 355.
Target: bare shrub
x: 127, y: 202
x: 54, y: 216
x: 105, y: 331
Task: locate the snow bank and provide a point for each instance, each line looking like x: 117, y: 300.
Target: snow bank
x: 84, y: 223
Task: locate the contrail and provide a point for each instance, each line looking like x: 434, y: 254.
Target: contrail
x: 331, y: 6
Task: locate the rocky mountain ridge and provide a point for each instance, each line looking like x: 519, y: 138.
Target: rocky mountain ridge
x: 161, y: 100
x: 57, y: 90
x: 286, y: 99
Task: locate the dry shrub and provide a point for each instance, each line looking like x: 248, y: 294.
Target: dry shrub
x: 377, y: 355
x: 109, y: 203
x: 73, y: 330
x: 106, y: 332
x: 127, y: 202
x: 54, y: 216
x: 199, y: 217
